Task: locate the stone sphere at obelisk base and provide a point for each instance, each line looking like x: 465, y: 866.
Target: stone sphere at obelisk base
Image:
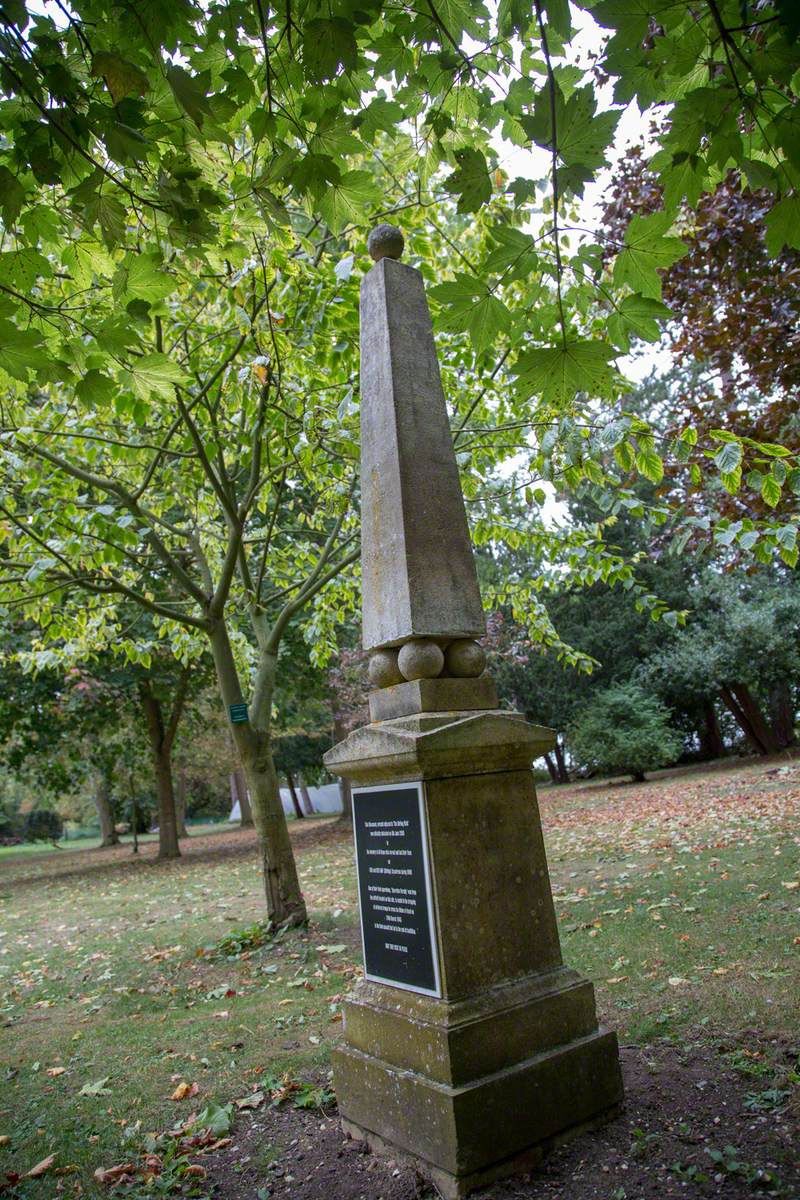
x: 464, y: 658
x: 420, y: 659
x: 384, y: 670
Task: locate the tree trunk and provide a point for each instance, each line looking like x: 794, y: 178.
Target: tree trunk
x: 711, y: 743
x: 731, y: 703
x: 563, y: 773
x: 239, y: 796
x: 551, y: 768
x: 165, y: 797
x: 298, y: 812
x: 239, y: 788
x: 244, y: 798
x: 161, y: 739
x: 781, y: 711
x: 102, y: 801
x: 345, y: 787
x: 346, y: 796
x: 638, y: 776
x: 285, y: 903
x: 180, y: 804
x: 308, y: 807
x: 747, y: 714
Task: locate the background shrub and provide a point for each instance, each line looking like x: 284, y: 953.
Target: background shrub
x: 42, y: 825
x: 622, y: 731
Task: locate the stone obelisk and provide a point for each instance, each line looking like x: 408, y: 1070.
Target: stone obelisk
x: 468, y: 1046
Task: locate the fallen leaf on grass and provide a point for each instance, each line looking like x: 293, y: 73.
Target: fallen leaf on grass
x: 332, y: 949
x: 792, y: 885
x: 53, y: 1071
x: 676, y: 981
x: 4, y: 1139
x: 185, y: 1090
x: 41, y: 1167
x: 215, y: 1118
x: 124, y: 1171
x: 98, y: 1088
x: 254, y: 1100
x: 617, y: 979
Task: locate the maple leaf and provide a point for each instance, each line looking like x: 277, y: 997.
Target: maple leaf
x: 637, y: 316
x: 122, y: 78
x: 558, y: 373
x: 470, y: 181
x: 346, y: 199
x: 782, y: 225
x: 646, y: 251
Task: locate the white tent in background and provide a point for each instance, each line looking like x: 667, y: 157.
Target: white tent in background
x: 325, y: 799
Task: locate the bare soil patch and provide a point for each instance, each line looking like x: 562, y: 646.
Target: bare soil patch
x: 681, y: 1107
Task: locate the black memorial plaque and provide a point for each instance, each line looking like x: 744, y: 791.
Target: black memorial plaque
x: 394, y: 887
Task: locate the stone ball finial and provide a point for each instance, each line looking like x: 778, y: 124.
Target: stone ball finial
x: 385, y: 241
x: 420, y: 659
x: 465, y: 659
x: 383, y: 669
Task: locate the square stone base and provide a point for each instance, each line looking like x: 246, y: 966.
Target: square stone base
x: 451, y: 1187
x: 432, y: 695
x: 463, y: 1137
x: 483, y: 1078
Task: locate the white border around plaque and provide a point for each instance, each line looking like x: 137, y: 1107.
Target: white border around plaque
x: 419, y: 787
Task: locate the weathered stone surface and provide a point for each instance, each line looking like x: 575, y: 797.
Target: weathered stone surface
x: 439, y: 745
x: 454, y: 1042
x: 385, y: 241
x: 418, y: 572
x: 464, y: 659
x: 510, y: 1056
x: 420, y: 659
x: 384, y: 670
x: 443, y: 695
x: 495, y: 910
x: 463, y: 1130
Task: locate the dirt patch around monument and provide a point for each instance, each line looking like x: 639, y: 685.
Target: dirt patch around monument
x: 692, y: 1126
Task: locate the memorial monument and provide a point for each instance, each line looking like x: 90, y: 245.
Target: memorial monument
x: 469, y: 1045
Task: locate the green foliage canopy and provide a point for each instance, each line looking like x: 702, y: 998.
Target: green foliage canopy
x: 139, y: 140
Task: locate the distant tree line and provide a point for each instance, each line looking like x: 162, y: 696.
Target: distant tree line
x: 726, y: 680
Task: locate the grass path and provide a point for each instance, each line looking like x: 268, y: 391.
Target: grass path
x: 121, y: 979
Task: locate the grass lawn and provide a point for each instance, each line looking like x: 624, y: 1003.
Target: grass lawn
x: 93, y: 843
x: 122, y: 979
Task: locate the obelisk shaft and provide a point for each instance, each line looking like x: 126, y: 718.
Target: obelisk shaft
x: 419, y: 577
